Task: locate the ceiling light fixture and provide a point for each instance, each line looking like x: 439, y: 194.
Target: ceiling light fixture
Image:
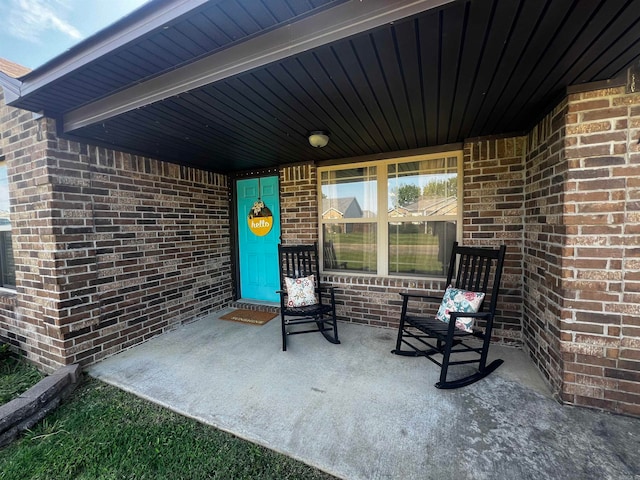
x: 318, y: 138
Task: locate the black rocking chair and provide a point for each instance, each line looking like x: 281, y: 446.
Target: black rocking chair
x: 421, y: 334
x: 303, y: 299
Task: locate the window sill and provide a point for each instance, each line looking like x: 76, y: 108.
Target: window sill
x: 7, y: 297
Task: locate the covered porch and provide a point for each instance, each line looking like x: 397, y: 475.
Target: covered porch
x: 380, y: 418
x: 124, y: 179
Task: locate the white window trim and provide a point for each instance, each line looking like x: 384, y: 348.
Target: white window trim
x: 382, y: 219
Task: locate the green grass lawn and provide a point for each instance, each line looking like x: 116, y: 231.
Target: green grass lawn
x: 16, y: 377
x: 101, y: 432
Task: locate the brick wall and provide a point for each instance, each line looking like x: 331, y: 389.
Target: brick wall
x: 544, y: 240
x: 581, y: 320
x: 600, y: 326
x: 21, y: 316
x: 299, y: 203
x: 493, y: 215
x: 110, y: 249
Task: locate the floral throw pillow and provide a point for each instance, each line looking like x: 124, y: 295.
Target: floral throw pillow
x: 456, y: 300
x: 301, y: 291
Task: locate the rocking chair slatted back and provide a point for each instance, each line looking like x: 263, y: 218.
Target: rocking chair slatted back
x: 300, y: 261
x: 477, y: 270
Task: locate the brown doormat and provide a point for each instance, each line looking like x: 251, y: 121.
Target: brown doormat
x: 253, y: 317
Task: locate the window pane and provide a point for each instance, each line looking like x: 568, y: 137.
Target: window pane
x: 6, y: 254
x: 423, y: 188
x: 350, y: 246
x: 349, y: 193
x: 7, y: 267
x: 4, y: 197
x: 420, y: 248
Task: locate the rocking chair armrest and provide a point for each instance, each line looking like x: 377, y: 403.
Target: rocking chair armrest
x: 407, y: 295
x: 331, y: 290
x: 455, y: 315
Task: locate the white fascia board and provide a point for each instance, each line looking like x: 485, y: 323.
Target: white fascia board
x: 344, y: 20
x: 11, y: 87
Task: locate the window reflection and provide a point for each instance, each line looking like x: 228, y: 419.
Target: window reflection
x: 405, y: 227
x: 350, y: 246
x: 420, y: 248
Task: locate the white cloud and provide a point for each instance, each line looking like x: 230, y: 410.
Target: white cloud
x: 31, y: 19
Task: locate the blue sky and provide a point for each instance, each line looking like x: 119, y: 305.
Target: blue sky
x: 35, y: 31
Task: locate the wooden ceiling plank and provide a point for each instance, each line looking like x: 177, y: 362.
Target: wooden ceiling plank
x: 127, y: 61
x: 384, y: 113
x: 284, y: 86
x: 394, y: 80
x: 345, y: 61
x: 588, y: 21
x: 244, y: 21
x: 620, y: 36
x: 160, y: 130
x: 452, y: 33
x: 409, y: 57
x: 125, y: 135
x: 430, y: 34
x: 326, y: 103
x: 543, y: 50
x: 496, y: 44
x: 182, y: 47
x: 268, y: 111
x: 279, y: 10
x: 190, y: 31
x: 224, y: 23
x: 208, y: 28
x: 215, y: 109
x: 284, y: 107
x: 473, y: 46
x: 617, y: 64
x: 524, y: 23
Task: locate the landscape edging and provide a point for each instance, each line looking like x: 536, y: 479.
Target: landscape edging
x: 33, y: 405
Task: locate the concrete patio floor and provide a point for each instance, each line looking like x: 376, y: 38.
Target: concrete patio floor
x: 358, y: 412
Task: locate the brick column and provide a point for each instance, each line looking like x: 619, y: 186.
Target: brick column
x: 600, y: 335
x: 544, y: 240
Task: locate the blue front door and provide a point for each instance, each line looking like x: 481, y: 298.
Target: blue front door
x: 258, y: 248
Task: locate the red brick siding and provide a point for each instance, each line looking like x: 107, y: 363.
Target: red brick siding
x: 544, y: 240
x: 493, y: 215
x: 25, y: 318
x: 7, y: 309
x: 110, y: 249
x: 600, y: 329
x: 299, y: 204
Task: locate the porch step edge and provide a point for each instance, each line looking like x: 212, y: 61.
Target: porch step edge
x: 271, y: 307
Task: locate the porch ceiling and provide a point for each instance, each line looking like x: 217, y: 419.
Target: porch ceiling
x: 233, y: 85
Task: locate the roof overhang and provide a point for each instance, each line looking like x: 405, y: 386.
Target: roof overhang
x: 230, y: 85
x: 325, y: 27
